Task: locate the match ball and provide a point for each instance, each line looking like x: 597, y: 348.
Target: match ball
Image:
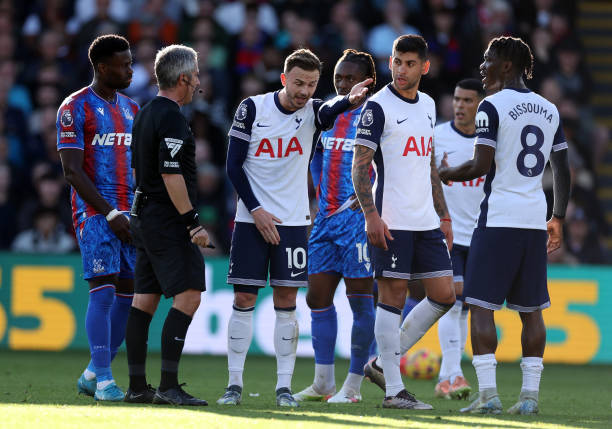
x: 421, y: 364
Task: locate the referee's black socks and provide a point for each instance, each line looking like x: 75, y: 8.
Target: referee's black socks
x: 173, y: 340
x: 136, y: 335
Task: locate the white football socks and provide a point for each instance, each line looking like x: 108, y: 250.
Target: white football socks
x: 532, y: 371
x: 352, y: 384
x: 239, y: 335
x: 324, y: 378
x: 285, y: 345
x: 463, y: 326
x: 418, y: 322
x: 449, y: 333
x: 388, y: 340
x: 485, y: 371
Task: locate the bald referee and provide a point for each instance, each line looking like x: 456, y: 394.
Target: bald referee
x: 165, y: 227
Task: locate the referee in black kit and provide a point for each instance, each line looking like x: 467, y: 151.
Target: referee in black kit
x: 165, y: 227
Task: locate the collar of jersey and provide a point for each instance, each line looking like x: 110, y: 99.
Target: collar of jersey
x: 169, y: 99
x: 106, y: 101
x: 459, y: 132
x: 401, y: 97
x: 525, y: 90
x: 279, y: 105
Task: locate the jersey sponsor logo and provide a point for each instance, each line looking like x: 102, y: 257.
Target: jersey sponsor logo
x: 127, y: 114
x: 265, y: 147
x: 174, y: 145
x: 111, y: 139
x: 482, y: 122
x: 521, y: 109
x: 241, y: 113
x: 100, y: 111
x: 171, y: 164
x: 368, y: 118
x: 413, y: 146
x: 337, y: 143
x: 470, y: 183
x: 66, y: 118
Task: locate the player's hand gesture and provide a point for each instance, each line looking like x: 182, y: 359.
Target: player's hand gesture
x: 444, y: 162
x: 554, y: 227
x: 359, y: 91
x: 264, y: 222
x: 120, y: 225
x: 355, y: 206
x: 378, y: 231
x: 200, y: 237
x: 447, y: 229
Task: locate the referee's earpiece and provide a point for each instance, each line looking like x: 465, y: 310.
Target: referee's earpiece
x: 200, y: 91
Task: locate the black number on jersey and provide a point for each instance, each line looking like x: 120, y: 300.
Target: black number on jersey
x: 533, y: 149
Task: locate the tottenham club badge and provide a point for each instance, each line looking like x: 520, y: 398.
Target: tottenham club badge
x: 368, y: 118
x: 66, y: 118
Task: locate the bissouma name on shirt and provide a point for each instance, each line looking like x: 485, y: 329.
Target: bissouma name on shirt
x: 523, y: 108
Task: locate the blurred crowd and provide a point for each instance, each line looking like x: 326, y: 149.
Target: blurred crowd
x: 241, y: 46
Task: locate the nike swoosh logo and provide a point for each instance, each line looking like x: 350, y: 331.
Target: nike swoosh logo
x: 236, y: 338
x: 399, y: 122
x: 262, y: 125
x: 287, y: 339
x: 179, y: 339
x: 452, y: 151
x: 136, y: 396
x: 296, y: 274
x: 397, y: 354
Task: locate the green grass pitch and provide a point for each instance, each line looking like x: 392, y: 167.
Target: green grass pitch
x: 37, y: 390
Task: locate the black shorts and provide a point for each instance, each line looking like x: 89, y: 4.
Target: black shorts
x: 166, y: 260
x: 251, y: 257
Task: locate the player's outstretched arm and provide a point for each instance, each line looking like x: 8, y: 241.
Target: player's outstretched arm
x: 478, y: 166
x: 326, y: 113
x: 559, y: 164
x: 440, y: 202
x: 359, y: 91
x: 72, y: 164
x: 376, y: 228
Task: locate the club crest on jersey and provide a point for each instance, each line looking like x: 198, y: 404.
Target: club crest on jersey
x: 299, y: 122
x: 265, y: 146
x: 66, y: 118
x: 367, y: 118
x: 128, y: 114
x: 241, y: 113
x: 482, y: 122
x: 174, y: 145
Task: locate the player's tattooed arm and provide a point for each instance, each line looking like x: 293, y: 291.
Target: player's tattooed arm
x: 362, y: 159
x: 436, y: 190
x: 478, y: 166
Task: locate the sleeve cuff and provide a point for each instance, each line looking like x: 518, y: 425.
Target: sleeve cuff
x: 486, y: 142
x: 367, y: 143
x: 559, y: 146
x: 239, y: 135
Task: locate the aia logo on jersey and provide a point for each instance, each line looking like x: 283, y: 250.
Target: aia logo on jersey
x: 280, y: 151
x: 66, y: 119
x: 418, y: 147
x: 111, y: 139
x: 471, y: 183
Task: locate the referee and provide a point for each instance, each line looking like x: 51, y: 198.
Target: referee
x: 165, y: 227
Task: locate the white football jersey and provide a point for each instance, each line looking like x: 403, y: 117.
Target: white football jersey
x: 280, y: 144
x: 401, y: 132
x: 523, y: 127
x: 462, y: 198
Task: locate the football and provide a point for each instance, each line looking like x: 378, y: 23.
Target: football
x: 421, y: 364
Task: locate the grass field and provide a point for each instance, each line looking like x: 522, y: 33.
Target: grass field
x: 37, y: 390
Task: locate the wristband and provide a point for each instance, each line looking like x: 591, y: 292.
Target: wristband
x: 191, y: 219
x: 446, y: 219
x: 112, y: 214
x: 558, y: 216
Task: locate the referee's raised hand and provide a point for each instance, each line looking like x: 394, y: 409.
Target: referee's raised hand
x: 264, y: 221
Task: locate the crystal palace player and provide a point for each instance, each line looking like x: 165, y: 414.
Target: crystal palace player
x: 407, y: 221
x: 338, y: 246
x: 518, y: 131
x: 94, y: 133
x: 271, y: 141
x: 454, y: 143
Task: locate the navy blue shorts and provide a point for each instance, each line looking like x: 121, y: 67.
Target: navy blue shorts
x: 251, y: 257
x: 507, y: 264
x: 102, y: 252
x: 339, y: 244
x: 459, y: 257
x: 413, y: 255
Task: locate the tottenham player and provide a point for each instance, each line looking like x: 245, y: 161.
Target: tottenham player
x: 94, y: 133
x: 271, y: 141
x: 518, y: 131
x: 406, y: 216
x: 337, y: 246
x: 454, y: 143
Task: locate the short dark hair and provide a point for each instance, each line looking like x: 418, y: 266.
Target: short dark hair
x: 304, y: 59
x: 364, y: 61
x: 473, y: 85
x: 411, y: 43
x: 105, y: 47
x: 515, y: 50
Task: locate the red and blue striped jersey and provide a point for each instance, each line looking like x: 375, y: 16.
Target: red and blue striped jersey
x: 103, y: 131
x: 336, y: 186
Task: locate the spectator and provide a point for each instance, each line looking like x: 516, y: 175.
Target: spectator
x: 581, y: 241
x: 8, y: 211
x: 47, y: 235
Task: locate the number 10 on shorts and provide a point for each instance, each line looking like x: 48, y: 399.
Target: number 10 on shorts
x: 362, y: 252
x: 296, y: 257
